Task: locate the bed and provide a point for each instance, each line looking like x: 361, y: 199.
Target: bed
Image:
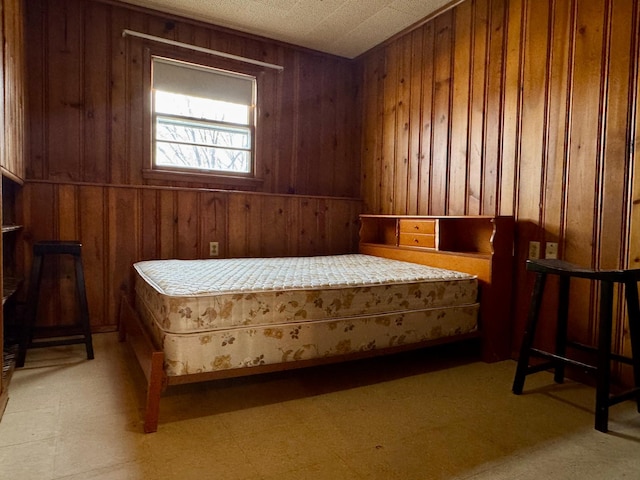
x: 196, y: 320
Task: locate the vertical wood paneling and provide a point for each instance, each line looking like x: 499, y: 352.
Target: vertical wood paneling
x: 117, y: 97
x: 149, y: 237
x: 64, y: 76
x: 36, y: 107
x: 90, y: 85
x: 12, y: 78
x: 371, y: 79
x: 511, y: 124
x: 167, y: 220
x: 288, y: 151
x: 254, y: 226
x: 62, y: 275
x: 533, y: 111
x: 92, y: 212
x: 96, y: 87
x: 460, y: 110
x: 275, y: 217
x: 349, y: 120
x: 188, y: 225
x: 306, y: 237
x: 3, y: 121
x: 403, y: 105
x: 440, y: 116
x: 308, y: 140
x: 426, y: 139
x: 122, y: 232
x: 267, y: 121
x: 414, y: 125
x: 40, y: 212
x: 136, y: 132
x: 585, y: 162
x: 557, y: 111
x: 543, y: 126
x: 615, y: 188
x: 477, y: 99
x: 389, y: 129
x: 87, y: 126
x: 239, y: 211
x: 491, y: 171
x: 328, y: 140
x: 633, y: 250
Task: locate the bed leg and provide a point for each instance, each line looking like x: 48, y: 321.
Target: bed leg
x: 155, y: 386
x: 151, y: 362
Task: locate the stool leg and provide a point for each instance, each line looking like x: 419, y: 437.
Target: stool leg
x: 604, y: 355
x: 29, y: 321
x: 561, y: 327
x: 84, y: 307
x: 529, y: 334
x: 633, y: 312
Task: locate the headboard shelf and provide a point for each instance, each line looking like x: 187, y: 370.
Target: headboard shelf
x: 480, y: 245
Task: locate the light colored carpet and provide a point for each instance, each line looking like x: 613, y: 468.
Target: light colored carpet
x: 432, y: 414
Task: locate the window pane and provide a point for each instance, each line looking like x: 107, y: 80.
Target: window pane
x: 195, y: 107
x: 208, y: 158
x: 204, y: 117
x: 215, y: 135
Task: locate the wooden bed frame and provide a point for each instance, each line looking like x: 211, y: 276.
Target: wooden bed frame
x: 485, y: 249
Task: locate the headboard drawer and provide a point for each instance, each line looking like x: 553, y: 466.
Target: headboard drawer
x: 408, y: 225
x: 417, y: 240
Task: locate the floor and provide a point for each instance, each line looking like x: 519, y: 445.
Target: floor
x: 432, y: 414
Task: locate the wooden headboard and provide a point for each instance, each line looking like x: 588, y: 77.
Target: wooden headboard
x: 479, y: 245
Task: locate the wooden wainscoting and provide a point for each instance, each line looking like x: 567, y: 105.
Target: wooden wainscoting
x: 119, y: 225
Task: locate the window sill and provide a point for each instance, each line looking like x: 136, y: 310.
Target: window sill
x: 200, y: 177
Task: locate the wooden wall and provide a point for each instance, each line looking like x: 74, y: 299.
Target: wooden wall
x: 514, y: 107
x: 87, y: 90
x: 12, y: 115
x: 85, y: 153
x: 11, y: 146
x: 119, y: 225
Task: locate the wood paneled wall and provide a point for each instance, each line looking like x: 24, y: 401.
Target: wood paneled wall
x: 85, y: 153
x: 514, y: 107
x: 87, y: 91
x: 12, y: 115
x: 11, y: 138
x: 119, y: 225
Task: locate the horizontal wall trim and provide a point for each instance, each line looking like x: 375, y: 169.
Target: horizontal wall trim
x: 190, y: 189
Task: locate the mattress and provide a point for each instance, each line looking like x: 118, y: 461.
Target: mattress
x: 231, y: 313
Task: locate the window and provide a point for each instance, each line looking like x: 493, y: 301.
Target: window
x: 203, y: 119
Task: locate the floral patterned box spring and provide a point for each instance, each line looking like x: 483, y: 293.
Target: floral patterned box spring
x: 220, y: 314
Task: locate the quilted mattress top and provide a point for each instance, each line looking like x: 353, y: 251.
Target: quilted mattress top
x: 238, y: 275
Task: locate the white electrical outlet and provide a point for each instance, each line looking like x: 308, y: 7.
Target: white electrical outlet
x: 213, y: 249
x: 551, y: 250
x: 534, y: 250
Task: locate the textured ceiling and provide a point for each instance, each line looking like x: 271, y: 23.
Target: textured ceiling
x: 346, y: 28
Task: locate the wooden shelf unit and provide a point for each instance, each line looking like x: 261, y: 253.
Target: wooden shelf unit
x: 480, y: 245
x: 10, y: 236
x: 11, y: 281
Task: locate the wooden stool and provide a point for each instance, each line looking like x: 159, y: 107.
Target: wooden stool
x: 558, y: 359
x: 69, y: 335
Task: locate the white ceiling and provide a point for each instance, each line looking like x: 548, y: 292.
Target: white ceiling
x: 346, y: 28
